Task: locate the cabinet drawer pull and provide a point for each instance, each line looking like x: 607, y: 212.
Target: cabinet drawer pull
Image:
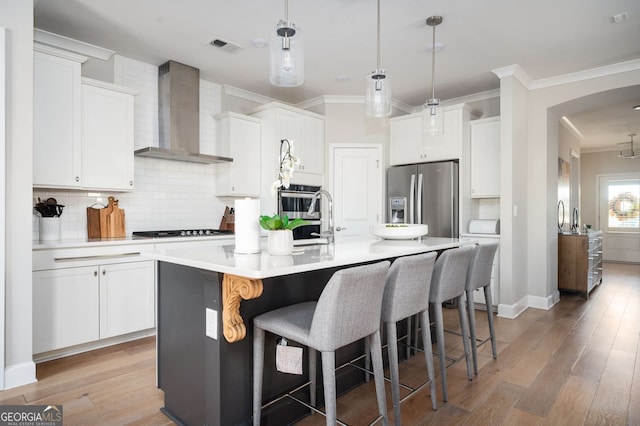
x: 99, y: 256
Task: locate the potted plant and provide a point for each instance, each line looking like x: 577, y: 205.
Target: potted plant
x: 280, y: 235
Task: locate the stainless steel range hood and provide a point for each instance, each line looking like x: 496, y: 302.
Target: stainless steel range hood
x: 179, y: 116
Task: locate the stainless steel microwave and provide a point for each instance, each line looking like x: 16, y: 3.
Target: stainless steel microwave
x: 295, y: 202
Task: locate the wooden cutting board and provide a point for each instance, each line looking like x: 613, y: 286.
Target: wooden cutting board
x: 107, y: 222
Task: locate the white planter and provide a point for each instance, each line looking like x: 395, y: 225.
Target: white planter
x: 280, y: 242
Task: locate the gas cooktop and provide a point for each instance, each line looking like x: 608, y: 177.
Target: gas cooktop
x: 181, y: 233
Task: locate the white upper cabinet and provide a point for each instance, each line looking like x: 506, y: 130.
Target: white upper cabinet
x: 57, y: 154
x: 83, y: 129
x: 239, y: 138
x: 306, y: 130
x: 107, y: 136
x: 408, y: 145
x: 485, y: 158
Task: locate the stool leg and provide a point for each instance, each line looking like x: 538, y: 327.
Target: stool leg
x: 472, y: 329
x: 258, y: 367
x: 392, y: 344
x: 428, y: 355
x: 367, y: 359
x: 492, y: 331
x: 329, y: 382
x: 409, y: 328
x: 378, y: 374
x: 437, y: 313
x: 313, y: 356
x: 462, y: 313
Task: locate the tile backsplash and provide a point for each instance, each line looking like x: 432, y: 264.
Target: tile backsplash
x: 168, y: 194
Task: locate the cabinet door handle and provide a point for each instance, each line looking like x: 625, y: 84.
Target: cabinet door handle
x: 100, y: 256
x: 77, y: 178
x: 95, y: 273
x: 104, y: 272
x: 130, y: 183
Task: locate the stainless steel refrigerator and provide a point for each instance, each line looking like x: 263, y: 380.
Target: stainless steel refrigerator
x: 425, y: 193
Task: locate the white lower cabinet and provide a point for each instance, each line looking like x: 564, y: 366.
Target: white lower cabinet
x: 127, y: 298
x: 80, y: 297
x: 65, y: 303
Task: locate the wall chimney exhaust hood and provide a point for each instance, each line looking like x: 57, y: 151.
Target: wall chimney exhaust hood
x: 179, y: 116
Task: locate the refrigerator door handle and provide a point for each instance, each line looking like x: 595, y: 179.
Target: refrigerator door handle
x: 412, y: 195
x: 419, y: 206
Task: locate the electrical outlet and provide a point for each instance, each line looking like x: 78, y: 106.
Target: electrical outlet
x: 211, y: 326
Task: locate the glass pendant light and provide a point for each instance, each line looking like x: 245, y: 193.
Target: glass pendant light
x: 287, y: 53
x: 628, y: 149
x: 432, y: 111
x: 377, y: 101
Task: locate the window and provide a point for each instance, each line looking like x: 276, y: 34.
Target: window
x: 624, y: 207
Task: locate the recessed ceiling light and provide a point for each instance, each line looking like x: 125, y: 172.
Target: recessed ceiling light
x: 259, y: 42
x: 616, y: 19
x: 438, y: 45
x: 342, y: 78
x: 636, y: 108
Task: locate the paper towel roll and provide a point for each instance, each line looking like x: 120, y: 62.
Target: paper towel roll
x: 247, y: 225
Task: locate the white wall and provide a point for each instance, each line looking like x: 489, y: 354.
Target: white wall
x: 513, y: 197
x: 17, y: 17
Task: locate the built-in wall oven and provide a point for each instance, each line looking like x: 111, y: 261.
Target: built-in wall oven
x: 295, y: 202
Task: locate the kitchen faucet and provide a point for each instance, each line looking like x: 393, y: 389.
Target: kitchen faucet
x: 328, y: 234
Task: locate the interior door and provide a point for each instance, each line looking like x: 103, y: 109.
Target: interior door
x: 357, y: 181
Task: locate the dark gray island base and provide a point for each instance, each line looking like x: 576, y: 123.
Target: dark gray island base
x: 209, y: 381
x: 207, y: 299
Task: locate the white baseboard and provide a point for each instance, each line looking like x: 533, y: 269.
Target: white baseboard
x: 513, y: 311
x: 19, y: 375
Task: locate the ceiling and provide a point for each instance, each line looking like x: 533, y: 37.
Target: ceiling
x: 546, y: 38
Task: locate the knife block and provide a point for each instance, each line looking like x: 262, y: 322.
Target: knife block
x: 228, y: 220
x: 107, y: 222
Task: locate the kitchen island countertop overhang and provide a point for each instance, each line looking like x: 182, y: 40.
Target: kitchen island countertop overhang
x: 219, y: 255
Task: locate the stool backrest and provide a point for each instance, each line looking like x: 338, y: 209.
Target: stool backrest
x: 407, y: 290
x: 450, y: 274
x: 479, y: 272
x: 349, y: 306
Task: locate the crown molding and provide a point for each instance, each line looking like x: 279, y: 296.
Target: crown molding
x: 515, y: 71
x: 245, y: 94
x: 66, y: 43
x: 346, y: 99
x: 567, y: 124
x: 578, y: 76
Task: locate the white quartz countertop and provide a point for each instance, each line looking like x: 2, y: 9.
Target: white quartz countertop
x: 219, y: 255
x: 86, y: 242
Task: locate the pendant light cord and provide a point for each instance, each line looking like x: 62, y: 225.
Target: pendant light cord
x: 433, y: 64
x: 286, y: 10
x: 378, y: 63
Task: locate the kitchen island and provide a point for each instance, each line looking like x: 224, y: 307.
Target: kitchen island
x: 207, y: 297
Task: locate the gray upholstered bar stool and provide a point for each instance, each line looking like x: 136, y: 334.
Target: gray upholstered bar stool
x: 348, y: 310
x: 406, y: 294
x: 448, y: 282
x: 479, y: 276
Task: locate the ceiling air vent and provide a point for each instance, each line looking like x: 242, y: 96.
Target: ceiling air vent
x: 225, y: 45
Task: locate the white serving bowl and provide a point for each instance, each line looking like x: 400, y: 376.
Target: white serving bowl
x: 399, y: 231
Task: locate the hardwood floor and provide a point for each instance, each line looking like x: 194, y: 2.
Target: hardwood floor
x: 576, y: 364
